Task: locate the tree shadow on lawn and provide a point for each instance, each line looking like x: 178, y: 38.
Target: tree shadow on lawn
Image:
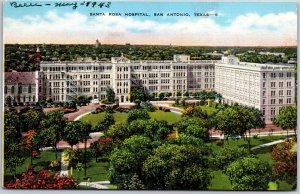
x: 263, y: 150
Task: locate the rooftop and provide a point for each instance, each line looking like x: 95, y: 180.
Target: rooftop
x: 15, y: 77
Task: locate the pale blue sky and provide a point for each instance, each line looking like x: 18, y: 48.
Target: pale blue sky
x: 229, y: 14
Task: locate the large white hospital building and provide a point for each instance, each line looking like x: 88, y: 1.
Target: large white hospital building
x: 264, y: 86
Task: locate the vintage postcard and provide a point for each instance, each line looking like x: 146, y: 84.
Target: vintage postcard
x: 152, y: 95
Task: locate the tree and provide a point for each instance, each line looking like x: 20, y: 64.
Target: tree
x: 13, y: 154
x: 195, y: 111
x: 181, y: 167
x: 285, y: 157
x: 196, y: 127
x: 110, y: 94
x: 227, y: 155
x: 75, y: 132
x: 287, y: 119
x: 107, y: 121
x: 31, y: 144
x: 219, y: 97
x: 102, y: 147
x: 52, y: 128
x: 153, y: 129
x: 137, y: 94
x: 238, y: 120
x: 135, y: 114
x: 185, y: 93
x: 32, y: 119
x: 127, y: 160
x: 249, y: 174
x: 161, y: 95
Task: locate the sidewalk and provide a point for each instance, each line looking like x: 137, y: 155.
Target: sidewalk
x: 269, y: 144
x: 96, y: 185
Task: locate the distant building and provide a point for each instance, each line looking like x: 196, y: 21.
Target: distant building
x: 23, y: 87
x: 267, y: 87
x: 275, y: 54
x: 37, y: 57
x: 97, y: 44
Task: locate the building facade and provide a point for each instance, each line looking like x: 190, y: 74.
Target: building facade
x: 64, y: 80
x: 23, y: 87
x: 267, y: 87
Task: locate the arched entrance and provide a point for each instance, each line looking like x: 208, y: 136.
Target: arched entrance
x: 8, y: 100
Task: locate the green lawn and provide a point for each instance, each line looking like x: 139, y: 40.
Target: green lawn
x: 170, y: 117
x: 220, y: 181
x: 41, y: 162
x: 96, y: 171
x: 93, y: 119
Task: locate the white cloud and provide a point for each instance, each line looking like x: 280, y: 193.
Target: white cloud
x: 250, y: 29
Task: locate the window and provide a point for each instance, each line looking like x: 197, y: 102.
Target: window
x: 5, y: 89
x: 263, y: 111
x: 29, y: 89
x: 280, y: 92
x: 281, y: 101
x: 263, y: 101
x: 281, y: 84
x: 273, y: 93
x: 288, y: 100
x: 264, y: 93
x: 289, y: 84
x: 273, y: 111
x: 264, y: 84
x: 20, y: 89
x: 280, y: 74
x: 289, y: 92
x: 273, y: 75
x: 12, y: 89
x: 289, y: 74
x: 264, y: 75
x: 273, y: 101
x: 273, y: 85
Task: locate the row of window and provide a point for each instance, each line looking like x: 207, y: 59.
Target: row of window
x: 280, y: 74
x: 20, y: 89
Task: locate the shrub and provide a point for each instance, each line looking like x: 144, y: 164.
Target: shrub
x: 166, y: 109
x: 122, y: 109
x: 99, y: 109
x: 182, y: 102
x: 109, y: 109
x: 220, y: 142
x: 69, y: 110
x: 147, y: 106
x: 41, y: 180
x: 137, y: 114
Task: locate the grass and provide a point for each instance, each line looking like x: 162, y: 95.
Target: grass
x: 93, y: 119
x: 220, y: 181
x: 170, y: 117
x: 41, y: 162
x: 96, y: 171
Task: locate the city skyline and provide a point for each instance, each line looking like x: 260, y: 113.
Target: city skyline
x: 237, y: 24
